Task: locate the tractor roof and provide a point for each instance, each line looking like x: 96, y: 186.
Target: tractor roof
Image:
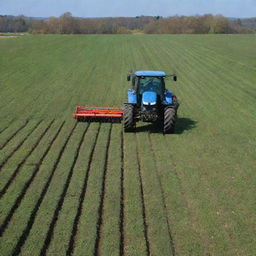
x: 150, y: 73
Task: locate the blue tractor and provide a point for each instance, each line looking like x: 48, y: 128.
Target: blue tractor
x: 150, y: 101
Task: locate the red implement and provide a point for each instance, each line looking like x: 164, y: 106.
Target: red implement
x: 100, y: 113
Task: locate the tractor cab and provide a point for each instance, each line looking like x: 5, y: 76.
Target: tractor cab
x: 143, y: 80
x: 148, y: 86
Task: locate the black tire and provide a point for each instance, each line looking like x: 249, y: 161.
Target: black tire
x: 169, y: 120
x: 129, y: 122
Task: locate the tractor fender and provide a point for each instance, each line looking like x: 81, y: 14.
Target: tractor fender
x: 168, y: 98
x: 132, y: 97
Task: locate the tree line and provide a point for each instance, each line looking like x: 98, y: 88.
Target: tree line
x: 206, y: 24
x: 14, y: 24
x: 67, y: 24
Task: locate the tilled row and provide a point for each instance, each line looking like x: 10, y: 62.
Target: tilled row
x: 80, y: 200
x: 84, y: 188
x: 32, y: 193
x: 8, y: 150
x: 142, y: 191
x: 41, y: 217
x: 12, y: 175
x: 62, y: 197
x: 12, y: 135
x: 12, y: 208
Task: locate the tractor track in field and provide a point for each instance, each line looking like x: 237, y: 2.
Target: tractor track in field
x: 162, y: 196
x: 20, y: 165
x: 121, y: 216
x: 101, y: 206
x: 18, y: 146
x: 4, y: 129
x: 14, y: 134
x: 32, y: 217
x: 82, y: 197
x: 28, y: 183
x: 10, y: 122
x: 62, y: 197
x: 184, y: 196
x: 142, y: 200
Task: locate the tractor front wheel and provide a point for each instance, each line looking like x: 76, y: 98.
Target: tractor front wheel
x: 169, y: 120
x: 129, y: 121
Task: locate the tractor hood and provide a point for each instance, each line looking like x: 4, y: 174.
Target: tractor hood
x: 149, y: 98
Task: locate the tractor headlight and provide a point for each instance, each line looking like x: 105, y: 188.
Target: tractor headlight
x: 149, y: 103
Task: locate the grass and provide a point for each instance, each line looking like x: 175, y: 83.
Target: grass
x: 111, y: 237
x: 18, y: 157
x: 77, y: 189
x: 155, y: 206
x: 15, y: 142
x: 64, y: 226
x: 90, y: 219
x: 135, y: 230
x: 54, y: 196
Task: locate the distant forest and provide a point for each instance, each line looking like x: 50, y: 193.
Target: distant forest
x: 67, y: 24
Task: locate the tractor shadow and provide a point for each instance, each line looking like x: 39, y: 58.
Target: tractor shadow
x: 182, y: 124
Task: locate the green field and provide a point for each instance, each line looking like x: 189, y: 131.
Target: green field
x: 69, y: 188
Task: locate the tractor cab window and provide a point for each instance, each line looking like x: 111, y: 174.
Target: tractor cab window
x: 150, y: 84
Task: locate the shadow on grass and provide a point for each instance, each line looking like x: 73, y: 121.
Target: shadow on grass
x: 150, y: 127
x: 182, y: 124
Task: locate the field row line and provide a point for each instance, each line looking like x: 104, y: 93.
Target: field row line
x: 121, y: 216
x: 6, y: 126
x: 225, y: 57
x: 162, y: 194
x: 15, y: 149
x: 19, y: 166
x: 237, y: 100
x: 26, y: 186
x: 146, y: 235
x: 26, y: 231
x: 62, y: 197
x: 13, y: 135
x: 71, y: 243
x: 101, y: 205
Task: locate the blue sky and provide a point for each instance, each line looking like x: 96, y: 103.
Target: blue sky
x: 128, y: 8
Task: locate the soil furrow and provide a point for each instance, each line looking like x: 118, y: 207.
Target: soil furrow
x: 100, y: 210
x: 23, y: 192
x: 13, y: 135
x: 121, y: 223
x: 9, y: 124
x: 162, y: 196
x: 142, y: 199
x: 17, y: 147
x: 4, y: 129
x: 62, y: 197
x: 2, y: 192
x: 26, y: 231
x: 82, y: 197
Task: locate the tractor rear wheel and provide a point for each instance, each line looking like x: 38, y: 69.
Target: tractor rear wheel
x: 129, y: 121
x: 169, y: 120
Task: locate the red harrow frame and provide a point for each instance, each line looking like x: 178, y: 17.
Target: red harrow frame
x: 98, y: 114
